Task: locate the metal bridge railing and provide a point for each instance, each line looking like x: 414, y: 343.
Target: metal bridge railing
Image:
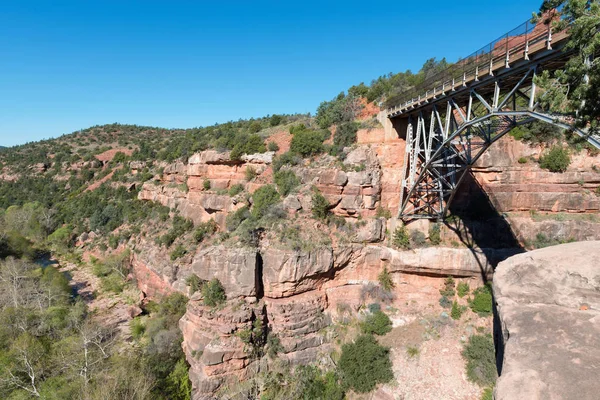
x: 511, y: 46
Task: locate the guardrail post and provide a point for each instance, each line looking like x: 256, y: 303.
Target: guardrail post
x: 526, y: 55
x: 491, y: 60
x: 507, y: 65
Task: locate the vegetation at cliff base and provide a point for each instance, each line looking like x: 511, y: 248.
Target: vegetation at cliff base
x: 482, y: 301
x: 365, y: 363
x: 377, y: 323
x: 480, y: 355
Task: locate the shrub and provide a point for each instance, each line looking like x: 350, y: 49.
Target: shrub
x: 119, y: 157
x: 113, y: 242
x: 400, y: 238
x: 234, y: 220
x: 556, y: 160
x: 112, y: 283
x: 287, y: 158
x: 462, y: 289
x: 213, y: 293
x: 137, y: 328
x: 205, y: 229
x: 377, y: 323
x: 179, y: 252
x: 445, y: 302
x: 522, y: 160
x: 374, y: 307
x: 307, y: 143
x: 457, y: 310
x: 195, y: 283
x: 254, y: 127
x: 263, y: 199
x: 364, y: 363
x: 383, y: 213
x: 247, y: 144
x: 482, y: 301
x: 488, y: 394
x: 320, y: 205
x: 236, y: 189
x: 385, y: 280
x: 275, y: 120
x: 448, y: 289
x: 375, y: 292
x: 345, y: 134
x: 480, y: 355
x: 250, y: 173
x: 180, y: 227
x: 412, y: 351
x: 272, y: 146
x: 418, y: 238
x: 286, y: 181
x: 206, y: 184
x: 435, y: 236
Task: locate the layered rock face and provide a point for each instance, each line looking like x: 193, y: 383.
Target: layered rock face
x: 548, y: 303
x: 183, y: 186
x: 295, y: 294
x: 512, y: 186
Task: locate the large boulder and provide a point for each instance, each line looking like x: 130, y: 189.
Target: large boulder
x: 234, y: 267
x: 549, y: 306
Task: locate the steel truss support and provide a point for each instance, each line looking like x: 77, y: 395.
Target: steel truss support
x: 443, y: 141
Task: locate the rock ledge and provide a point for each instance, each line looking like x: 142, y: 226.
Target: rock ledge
x: 548, y: 303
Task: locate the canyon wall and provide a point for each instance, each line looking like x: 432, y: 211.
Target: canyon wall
x: 292, y: 294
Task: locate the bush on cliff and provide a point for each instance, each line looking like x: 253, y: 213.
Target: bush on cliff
x: 213, y: 293
x: 205, y: 229
x: 247, y: 144
x: 307, y: 143
x: 401, y: 239
x: 480, y: 355
x: 482, y: 301
x: 287, y: 158
x: 263, y: 199
x: 435, y: 236
x: 377, y: 323
x: 234, y: 220
x: 345, y: 134
x: 320, y: 205
x: 385, y: 280
x: 365, y: 363
x: 556, y: 160
x: 286, y: 181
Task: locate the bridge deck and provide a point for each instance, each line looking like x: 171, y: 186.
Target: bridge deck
x: 499, y: 63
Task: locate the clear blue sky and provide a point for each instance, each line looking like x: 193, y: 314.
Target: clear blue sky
x: 66, y: 65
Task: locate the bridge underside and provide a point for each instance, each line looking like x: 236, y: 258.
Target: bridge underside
x: 448, y: 133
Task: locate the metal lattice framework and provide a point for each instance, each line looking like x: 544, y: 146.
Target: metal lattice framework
x: 451, y: 125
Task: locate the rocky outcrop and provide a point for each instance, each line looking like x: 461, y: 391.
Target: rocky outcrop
x: 548, y: 303
x: 213, y: 346
x: 196, y: 188
x: 514, y: 186
x: 352, y: 190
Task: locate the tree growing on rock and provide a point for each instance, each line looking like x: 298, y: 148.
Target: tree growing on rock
x: 365, y: 363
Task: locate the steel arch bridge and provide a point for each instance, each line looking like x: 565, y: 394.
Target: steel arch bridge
x: 456, y: 115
